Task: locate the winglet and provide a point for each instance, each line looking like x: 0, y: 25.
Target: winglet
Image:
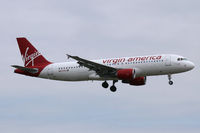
x: 68, y: 56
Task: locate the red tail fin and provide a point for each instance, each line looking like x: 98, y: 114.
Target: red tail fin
x: 30, y: 55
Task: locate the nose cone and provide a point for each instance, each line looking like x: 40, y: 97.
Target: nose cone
x: 190, y: 65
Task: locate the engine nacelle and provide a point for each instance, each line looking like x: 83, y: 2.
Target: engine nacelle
x: 137, y: 81
x: 129, y: 76
x: 126, y: 74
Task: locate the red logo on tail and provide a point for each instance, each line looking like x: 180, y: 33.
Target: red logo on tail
x: 30, y: 55
x: 27, y: 59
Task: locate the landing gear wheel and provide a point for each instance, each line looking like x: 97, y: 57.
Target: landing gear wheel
x: 113, y: 88
x: 105, y: 84
x: 170, y: 82
x: 170, y: 77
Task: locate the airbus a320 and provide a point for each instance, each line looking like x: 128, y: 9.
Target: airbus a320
x: 129, y: 70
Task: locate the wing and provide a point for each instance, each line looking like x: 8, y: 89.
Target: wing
x: 100, y: 69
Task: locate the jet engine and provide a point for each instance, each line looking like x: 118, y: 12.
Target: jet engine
x: 126, y: 74
x: 137, y: 81
x: 129, y: 76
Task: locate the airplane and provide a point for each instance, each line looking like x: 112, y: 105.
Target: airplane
x: 129, y: 70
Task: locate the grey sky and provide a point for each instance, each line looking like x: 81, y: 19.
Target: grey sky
x: 96, y: 29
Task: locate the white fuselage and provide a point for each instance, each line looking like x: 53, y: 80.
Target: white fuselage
x: 144, y: 65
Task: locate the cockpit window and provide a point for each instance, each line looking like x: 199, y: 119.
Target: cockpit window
x: 180, y: 59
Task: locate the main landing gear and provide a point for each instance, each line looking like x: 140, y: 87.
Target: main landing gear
x: 170, y: 81
x: 112, y: 88
x: 105, y: 84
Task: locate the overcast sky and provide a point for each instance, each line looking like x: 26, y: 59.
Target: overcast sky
x: 96, y: 29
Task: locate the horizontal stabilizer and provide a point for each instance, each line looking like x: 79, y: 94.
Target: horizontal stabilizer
x: 25, y: 69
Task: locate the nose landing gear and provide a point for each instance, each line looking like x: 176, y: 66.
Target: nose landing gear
x: 170, y: 81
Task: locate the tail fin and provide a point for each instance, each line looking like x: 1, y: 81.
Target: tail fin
x: 30, y: 55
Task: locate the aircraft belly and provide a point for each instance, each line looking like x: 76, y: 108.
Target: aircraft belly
x: 150, y: 69
x: 159, y: 70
